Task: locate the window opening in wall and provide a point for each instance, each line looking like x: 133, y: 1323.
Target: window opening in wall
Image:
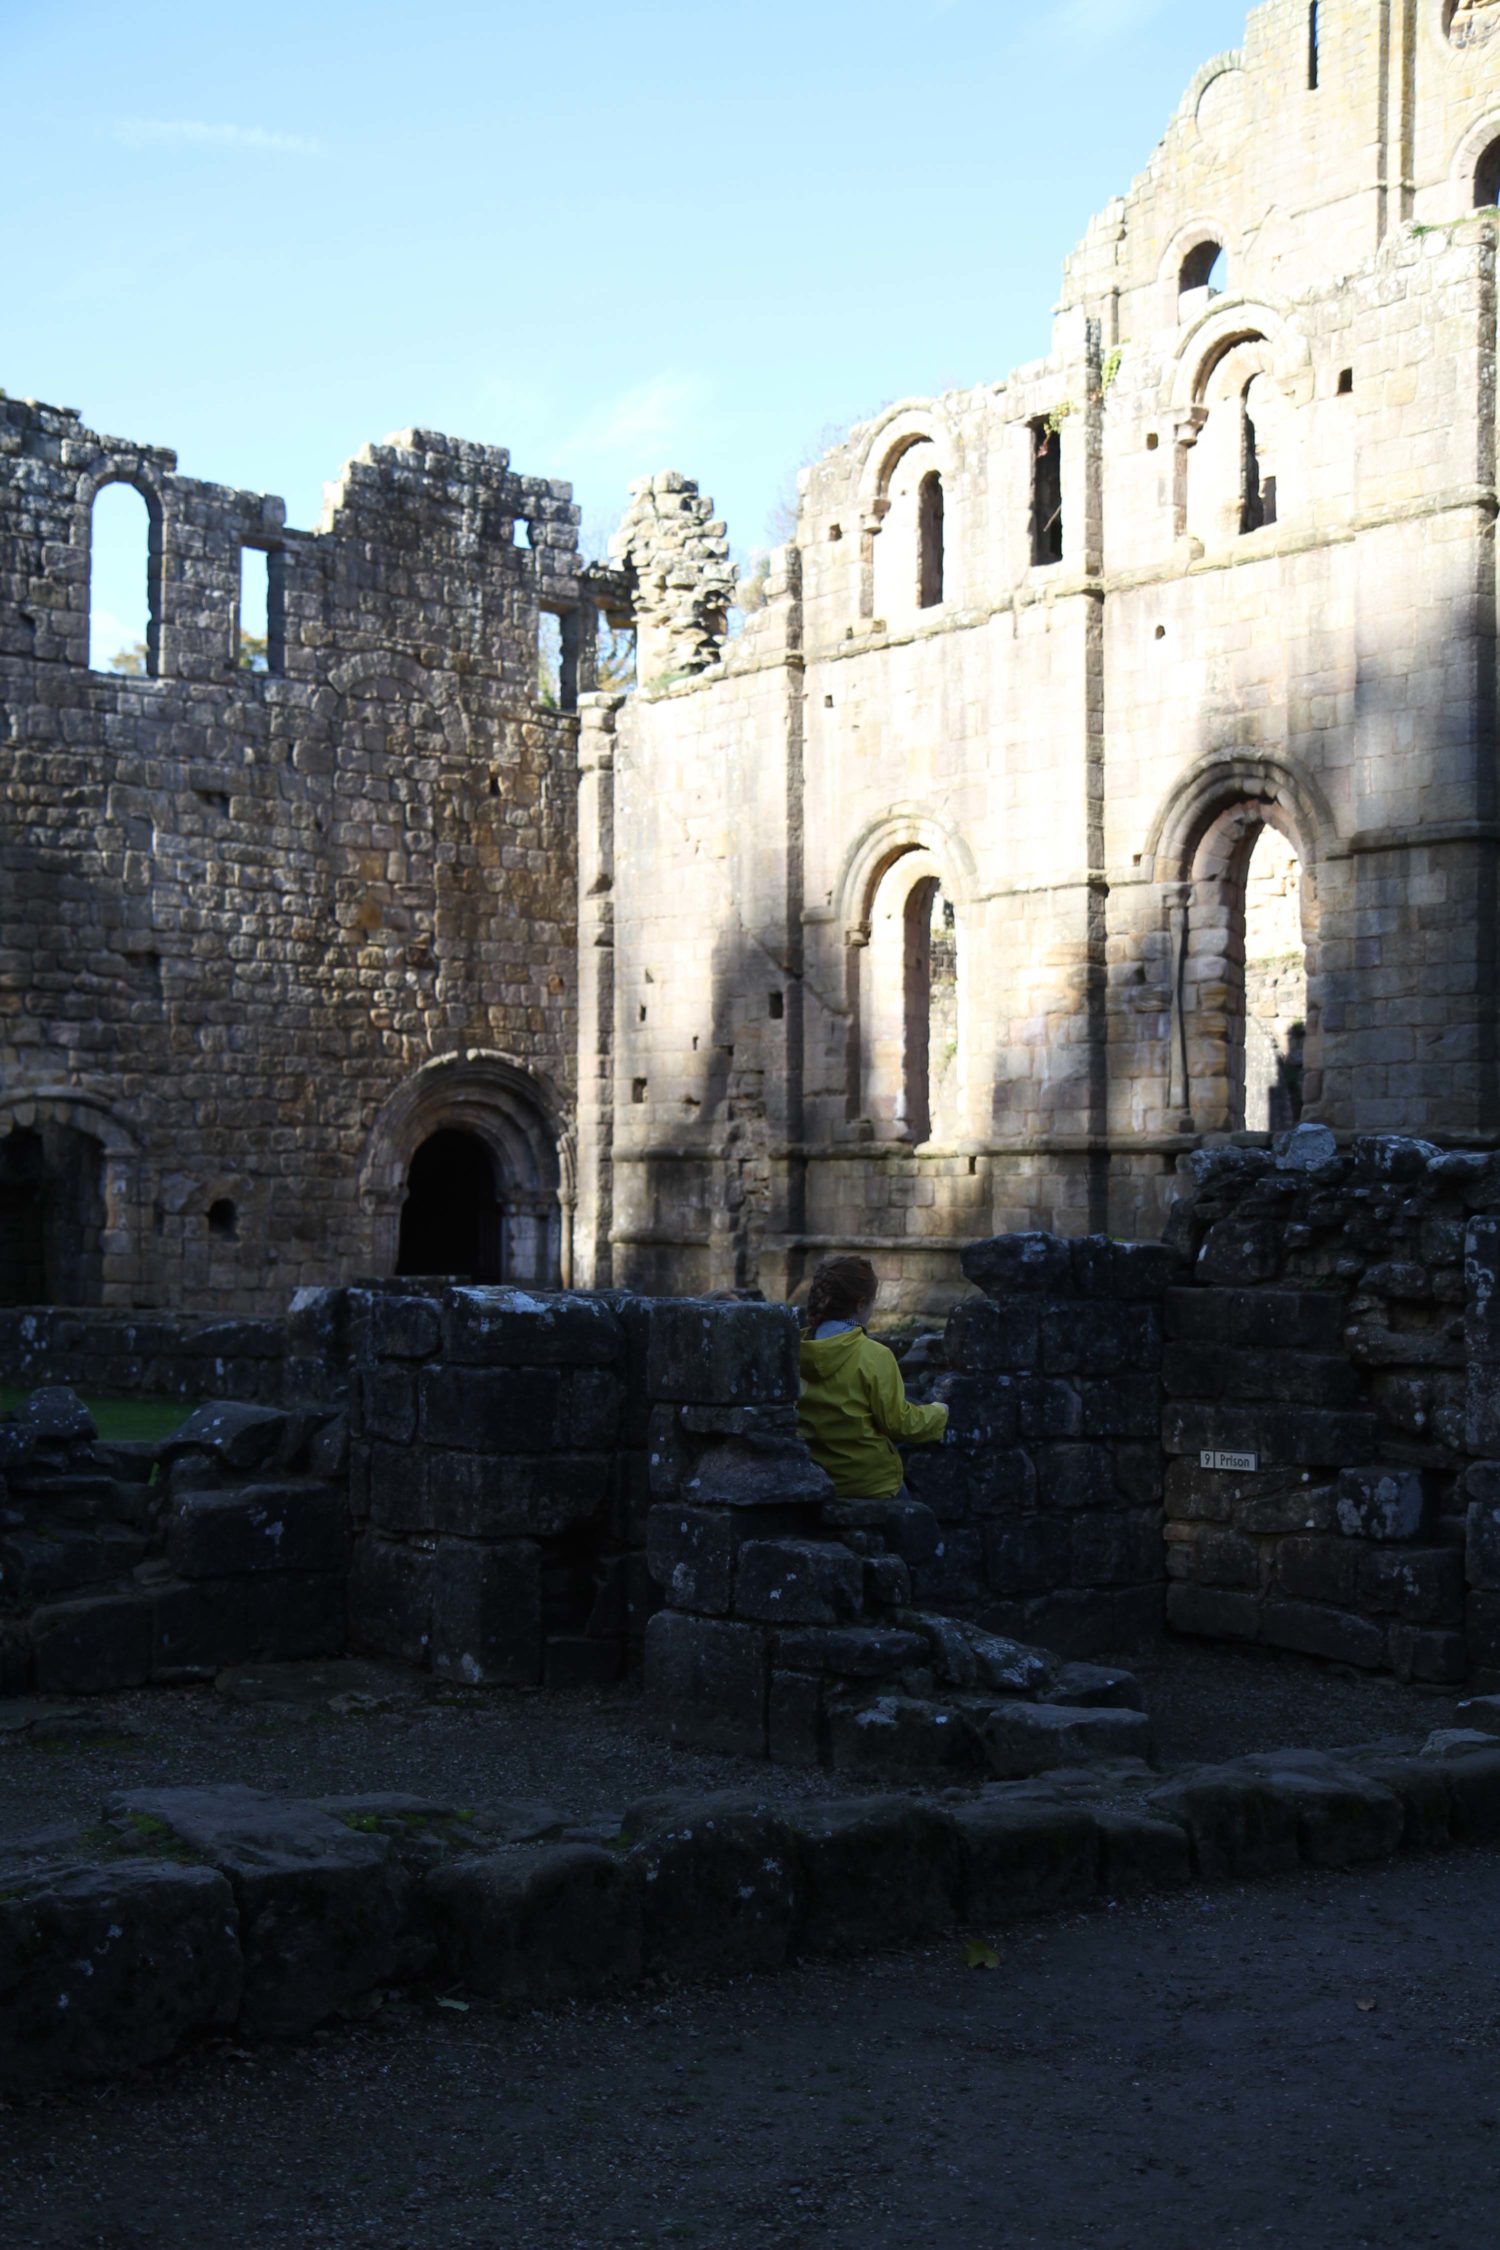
x: 930, y: 541
x: 1046, y: 493
x: 614, y: 656
x: 931, y: 1008
x: 557, y: 660
x: 1487, y: 178
x: 223, y: 1219
x: 1259, y: 508
x: 638, y: 1091
x: 1274, y: 1024
x: 520, y: 533
x: 452, y: 1221
x: 1204, y: 268
x: 124, y: 575
x: 778, y: 1006
x: 260, y: 633
x: 1314, y: 45
x: 1152, y: 441
x: 1346, y: 382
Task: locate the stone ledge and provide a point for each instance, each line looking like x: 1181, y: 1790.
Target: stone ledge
x: 188, y: 1912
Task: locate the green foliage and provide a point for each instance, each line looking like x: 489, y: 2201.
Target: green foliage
x: 254, y: 656
x: 118, y: 1417
x: 1110, y: 370
x: 130, y: 661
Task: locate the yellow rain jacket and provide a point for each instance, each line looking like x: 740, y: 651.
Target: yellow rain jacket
x: 853, y: 1404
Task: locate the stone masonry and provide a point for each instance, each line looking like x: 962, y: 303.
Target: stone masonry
x: 1049, y: 669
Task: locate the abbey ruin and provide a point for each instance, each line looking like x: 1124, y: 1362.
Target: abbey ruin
x: 1108, y: 769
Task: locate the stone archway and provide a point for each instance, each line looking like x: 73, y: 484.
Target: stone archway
x: 69, y: 1200
x: 469, y: 1162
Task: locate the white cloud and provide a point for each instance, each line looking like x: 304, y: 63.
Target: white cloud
x: 187, y: 132
x: 647, y: 417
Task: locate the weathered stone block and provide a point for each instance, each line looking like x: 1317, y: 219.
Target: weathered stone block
x: 91, y: 1646
x: 390, y: 1598
x: 389, y: 1399
x: 515, y: 1496
x: 1019, y: 1858
x: 880, y: 1872
x: 497, y: 1327
x: 691, y: 1552
x: 1115, y: 1549
x: 711, y: 1353
x: 982, y: 1409
x: 1317, y: 1570
x: 1438, y: 1658
x: 1126, y: 1272
x: 706, y: 1680
x: 402, y: 1327
x: 1075, y: 1476
x: 1100, y: 1339
x: 952, y: 1577
x: 985, y: 1338
x: 487, y: 1613
x: 756, y: 1472
x: 559, y: 1923
x: 1343, y: 1814
x: 318, y: 1908
x: 1422, y: 1585
x: 106, y: 1969
x: 1482, y: 1540
x: 795, y: 1730
x: 1029, y: 1556
x: 1119, y: 1406
x: 1238, y: 1822
x: 908, y: 1529
x: 280, y: 1527
x: 241, y: 1438
x: 491, y: 1410
x: 719, y: 1884
x: 1383, y: 1503
x: 1257, y: 1319
x: 798, y: 1582
x: 1280, y: 1436
x: 1012, y: 1265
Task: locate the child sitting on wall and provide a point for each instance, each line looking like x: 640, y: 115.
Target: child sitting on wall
x: 853, y: 1401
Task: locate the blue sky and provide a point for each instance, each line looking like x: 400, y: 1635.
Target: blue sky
x: 615, y: 238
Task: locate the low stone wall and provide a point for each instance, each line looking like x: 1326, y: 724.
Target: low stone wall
x: 134, y: 1562
x: 1331, y: 1384
x: 185, y: 1912
x: 294, y: 1359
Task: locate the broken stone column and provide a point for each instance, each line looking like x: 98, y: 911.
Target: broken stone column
x: 675, y: 554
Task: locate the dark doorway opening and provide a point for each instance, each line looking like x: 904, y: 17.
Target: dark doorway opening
x: 452, y: 1221
x: 51, y: 1217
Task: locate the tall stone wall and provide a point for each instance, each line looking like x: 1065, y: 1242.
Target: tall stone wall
x: 1081, y: 725
x: 265, y: 932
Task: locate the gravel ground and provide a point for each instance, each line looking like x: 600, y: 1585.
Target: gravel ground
x: 344, y: 1727
x: 1311, y: 2062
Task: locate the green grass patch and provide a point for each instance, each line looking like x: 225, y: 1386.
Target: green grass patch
x: 117, y: 1417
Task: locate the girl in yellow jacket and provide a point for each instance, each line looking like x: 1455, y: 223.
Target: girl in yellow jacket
x: 853, y: 1401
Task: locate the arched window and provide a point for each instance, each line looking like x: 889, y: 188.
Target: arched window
x: 1240, y: 450
x: 905, y: 553
x: 1487, y: 178
x: 1205, y: 274
x: 52, y: 1216
x: 1258, y: 474
x: 909, y: 1005
x: 1244, y: 977
x: 930, y: 541
x: 124, y: 582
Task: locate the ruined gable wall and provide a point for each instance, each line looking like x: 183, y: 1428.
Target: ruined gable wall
x: 244, y: 911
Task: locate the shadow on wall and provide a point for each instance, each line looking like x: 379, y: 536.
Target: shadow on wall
x: 52, y: 1216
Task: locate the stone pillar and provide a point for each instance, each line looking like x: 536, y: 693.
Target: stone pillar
x: 594, y: 1215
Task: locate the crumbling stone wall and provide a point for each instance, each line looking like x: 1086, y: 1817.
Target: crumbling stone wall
x: 1338, y: 1346
x: 265, y: 932
x: 299, y: 1358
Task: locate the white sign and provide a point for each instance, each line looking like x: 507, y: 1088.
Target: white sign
x: 1241, y: 1464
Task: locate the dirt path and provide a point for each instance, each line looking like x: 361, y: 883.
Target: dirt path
x: 1196, y: 2074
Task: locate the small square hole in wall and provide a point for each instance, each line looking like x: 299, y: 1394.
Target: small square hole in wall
x: 638, y: 1091
x: 835, y: 532
x: 1152, y: 441
x: 643, y: 1011
x: 223, y: 1219
x: 828, y: 702
x: 695, y: 1042
x: 520, y: 533
x: 494, y: 785
x: 778, y: 1006
x: 1346, y: 382
x: 1161, y: 632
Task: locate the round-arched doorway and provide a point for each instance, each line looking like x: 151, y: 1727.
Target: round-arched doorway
x: 452, y: 1219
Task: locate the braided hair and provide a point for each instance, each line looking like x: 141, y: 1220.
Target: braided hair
x: 841, y: 1289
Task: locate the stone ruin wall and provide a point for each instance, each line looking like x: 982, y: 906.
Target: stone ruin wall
x: 265, y: 932
x: 1085, y: 750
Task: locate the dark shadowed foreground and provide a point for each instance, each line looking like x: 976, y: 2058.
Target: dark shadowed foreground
x: 1310, y: 2062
